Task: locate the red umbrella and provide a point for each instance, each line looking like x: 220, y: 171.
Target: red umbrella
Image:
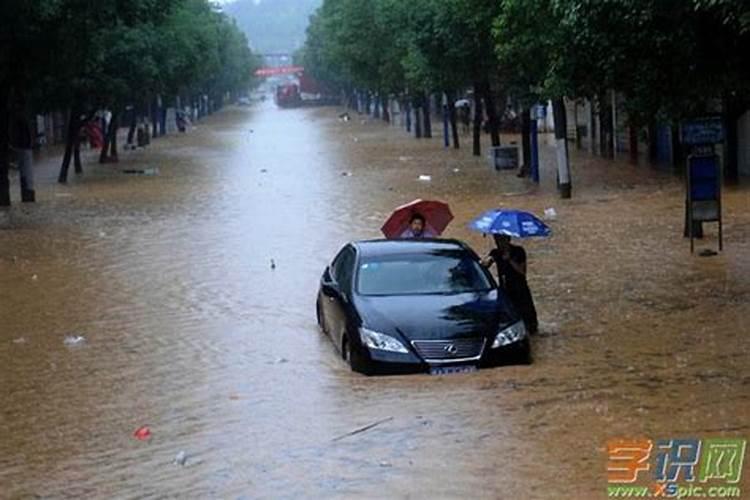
x: 437, y: 216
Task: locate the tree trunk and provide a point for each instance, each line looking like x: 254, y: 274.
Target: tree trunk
x: 407, y: 112
x: 417, y: 121
x: 563, y: 163
x: 653, y: 150
x: 162, y: 124
x: 368, y: 104
x: 633, y: 136
x: 109, y: 138
x: 733, y: 110
x: 376, y: 111
x: 426, y: 116
x: 477, y: 145
x: 77, y: 154
x: 74, y: 127
x: 114, y: 126
x: 133, y: 119
x: 453, y: 119
x: 155, y: 118
x: 677, y: 157
x: 489, y: 101
x: 526, y: 140
x: 386, y: 113
x: 4, y: 147
x: 605, y: 123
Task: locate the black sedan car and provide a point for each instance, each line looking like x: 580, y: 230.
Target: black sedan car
x: 415, y: 305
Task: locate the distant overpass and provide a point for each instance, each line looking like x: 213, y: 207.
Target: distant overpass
x: 278, y: 70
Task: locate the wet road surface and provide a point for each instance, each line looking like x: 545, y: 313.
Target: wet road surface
x: 188, y: 329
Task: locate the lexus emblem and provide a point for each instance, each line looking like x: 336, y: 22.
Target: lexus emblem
x: 450, y: 349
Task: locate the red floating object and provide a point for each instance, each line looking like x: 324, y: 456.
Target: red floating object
x: 142, y: 433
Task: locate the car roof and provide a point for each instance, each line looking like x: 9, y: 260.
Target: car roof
x: 370, y: 248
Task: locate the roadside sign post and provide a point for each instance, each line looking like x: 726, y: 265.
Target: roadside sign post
x: 704, y: 178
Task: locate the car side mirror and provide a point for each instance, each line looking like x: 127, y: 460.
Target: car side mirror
x: 330, y: 289
x: 327, y: 275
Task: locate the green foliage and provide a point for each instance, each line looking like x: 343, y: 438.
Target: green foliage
x: 110, y: 53
x: 670, y: 58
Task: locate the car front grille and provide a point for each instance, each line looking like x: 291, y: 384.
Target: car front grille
x: 445, y: 351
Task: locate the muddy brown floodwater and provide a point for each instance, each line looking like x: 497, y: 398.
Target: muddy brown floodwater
x: 189, y: 331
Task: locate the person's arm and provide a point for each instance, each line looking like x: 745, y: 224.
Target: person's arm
x: 487, y: 261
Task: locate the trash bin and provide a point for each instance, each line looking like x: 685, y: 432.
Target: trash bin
x: 504, y: 157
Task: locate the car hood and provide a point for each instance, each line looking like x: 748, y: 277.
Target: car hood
x: 436, y: 317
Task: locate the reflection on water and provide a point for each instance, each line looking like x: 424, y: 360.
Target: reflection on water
x: 190, y: 330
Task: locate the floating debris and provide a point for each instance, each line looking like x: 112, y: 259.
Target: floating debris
x: 19, y: 340
x: 550, y: 214
x: 142, y: 171
x: 346, y: 174
x: 425, y: 178
x: 362, y: 429
x: 273, y: 264
x: 181, y: 458
x: 34, y: 277
x: 73, y: 340
x: 142, y: 433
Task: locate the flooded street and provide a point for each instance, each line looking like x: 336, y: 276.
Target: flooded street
x: 190, y: 331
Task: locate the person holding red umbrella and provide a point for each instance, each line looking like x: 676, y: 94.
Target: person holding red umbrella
x: 418, y: 219
x: 417, y: 228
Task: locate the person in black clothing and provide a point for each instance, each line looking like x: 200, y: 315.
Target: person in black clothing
x: 511, y: 273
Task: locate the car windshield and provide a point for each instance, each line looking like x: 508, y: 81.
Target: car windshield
x: 439, y: 272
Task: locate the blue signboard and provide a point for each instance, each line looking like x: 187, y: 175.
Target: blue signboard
x: 539, y: 112
x: 703, y: 131
x: 703, y: 193
x: 704, y: 178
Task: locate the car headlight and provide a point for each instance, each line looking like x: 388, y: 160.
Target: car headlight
x: 376, y: 340
x: 513, y: 333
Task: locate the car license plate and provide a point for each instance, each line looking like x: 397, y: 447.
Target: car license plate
x: 448, y: 370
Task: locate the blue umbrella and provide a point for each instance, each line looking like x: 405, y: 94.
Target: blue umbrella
x: 515, y: 223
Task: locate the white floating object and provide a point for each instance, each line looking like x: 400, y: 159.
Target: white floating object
x: 19, y: 340
x: 181, y: 458
x: 456, y: 169
x: 425, y: 178
x: 34, y: 277
x: 550, y: 213
x: 74, y: 340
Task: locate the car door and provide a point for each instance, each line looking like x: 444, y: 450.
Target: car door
x: 331, y: 293
x: 337, y: 294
